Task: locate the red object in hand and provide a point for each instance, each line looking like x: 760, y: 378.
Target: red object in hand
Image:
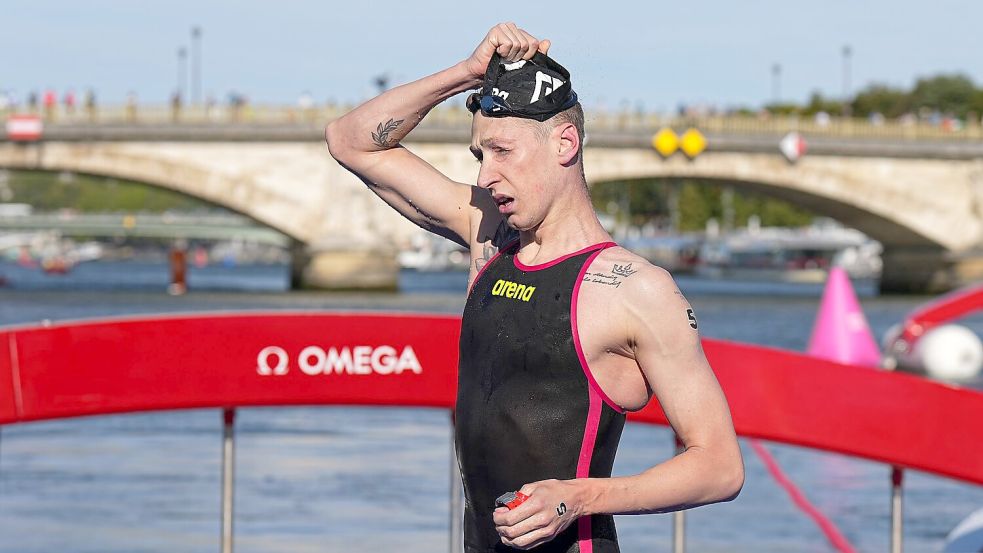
x: 511, y: 499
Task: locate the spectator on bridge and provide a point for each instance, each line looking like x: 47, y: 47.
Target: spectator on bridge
x: 50, y: 103
x: 176, y: 106
x: 131, y: 106
x: 32, y: 101
x: 68, y: 99
x: 210, y: 105
x: 90, y: 104
x: 236, y: 101
x: 306, y: 104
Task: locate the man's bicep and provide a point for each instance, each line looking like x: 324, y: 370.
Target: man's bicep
x: 419, y: 192
x: 671, y: 357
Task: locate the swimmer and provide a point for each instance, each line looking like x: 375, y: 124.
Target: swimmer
x: 563, y: 331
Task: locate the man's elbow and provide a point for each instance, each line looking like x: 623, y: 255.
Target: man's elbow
x: 333, y: 141
x: 339, y: 145
x: 732, y: 480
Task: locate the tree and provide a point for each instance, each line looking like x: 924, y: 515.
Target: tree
x: 817, y: 103
x: 879, y: 98
x: 946, y: 93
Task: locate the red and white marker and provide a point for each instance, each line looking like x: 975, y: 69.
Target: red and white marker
x: 24, y: 128
x: 511, y: 499
x: 793, y: 146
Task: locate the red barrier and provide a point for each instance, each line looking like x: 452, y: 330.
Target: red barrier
x: 894, y: 418
x: 184, y: 362
x: 277, y: 358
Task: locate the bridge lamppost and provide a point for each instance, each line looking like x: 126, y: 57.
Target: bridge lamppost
x: 776, y: 83
x: 196, y: 64
x: 847, y: 53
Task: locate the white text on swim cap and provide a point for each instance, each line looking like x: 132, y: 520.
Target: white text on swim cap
x: 552, y: 84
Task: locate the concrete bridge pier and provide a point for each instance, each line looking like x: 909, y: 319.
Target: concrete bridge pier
x: 340, y: 268
x: 926, y: 270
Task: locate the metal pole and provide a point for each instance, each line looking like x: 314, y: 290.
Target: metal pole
x: 457, y: 500
x: 897, y: 522
x: 678, y: 517
x: 196, y: 65
x: 776, y: 83
x: 847, y: 52
x: 228, y: 476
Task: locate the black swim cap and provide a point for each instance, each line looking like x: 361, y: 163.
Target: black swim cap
x: 537, y: 88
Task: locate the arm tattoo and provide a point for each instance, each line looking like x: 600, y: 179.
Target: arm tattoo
x: 381, y: 136
x: 614, y: 277
x: 504, y: 234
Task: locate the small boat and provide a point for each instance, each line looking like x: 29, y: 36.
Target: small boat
x: 56, y: 265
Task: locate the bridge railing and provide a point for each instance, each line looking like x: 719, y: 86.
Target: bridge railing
x: 454, y: 116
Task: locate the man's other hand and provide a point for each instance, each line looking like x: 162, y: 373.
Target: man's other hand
x: 552, y: 506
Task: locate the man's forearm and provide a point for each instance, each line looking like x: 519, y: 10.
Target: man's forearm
x: 382, y: 122
x: 689, y: 479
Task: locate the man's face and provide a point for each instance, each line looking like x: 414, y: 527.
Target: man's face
x: 516, y: 167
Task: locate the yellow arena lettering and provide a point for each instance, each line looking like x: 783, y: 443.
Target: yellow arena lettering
x: 497, y: 290
x: 513, y: 290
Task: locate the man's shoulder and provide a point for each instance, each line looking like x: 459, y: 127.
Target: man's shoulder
x: 632, y: 273
x: 640, y: 289
x: 645, y: 300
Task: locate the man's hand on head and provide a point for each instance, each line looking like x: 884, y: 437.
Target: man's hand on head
x: 511, y: 42
x: 551, y: 507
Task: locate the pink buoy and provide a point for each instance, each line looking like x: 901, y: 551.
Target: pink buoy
x: 841, y: 332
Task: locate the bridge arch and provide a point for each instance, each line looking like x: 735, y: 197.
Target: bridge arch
x: 187, y: 179
x: 866, y: 198
x: 876, y: 225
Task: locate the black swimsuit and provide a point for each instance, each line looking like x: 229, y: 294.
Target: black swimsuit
x: 528, y: 408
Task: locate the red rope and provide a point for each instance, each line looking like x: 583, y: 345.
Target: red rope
x: 832, y: 532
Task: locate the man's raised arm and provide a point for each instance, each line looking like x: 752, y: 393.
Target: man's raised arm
x: 366, y: 140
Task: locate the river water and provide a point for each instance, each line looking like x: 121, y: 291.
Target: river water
x: 361, y: 479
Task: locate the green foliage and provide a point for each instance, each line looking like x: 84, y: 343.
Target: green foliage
x: 697, y: 205
x: 954, y: 94
x: 648, y: 200
x: 946, y: 93
x: 51, y: 191
x: 818, y: 103
x: 785, y: 108
x: 976, y: 103
x: 878, y: 98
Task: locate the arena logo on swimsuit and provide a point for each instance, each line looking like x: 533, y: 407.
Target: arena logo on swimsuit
x: 514, y: 290
x: 357, y: 360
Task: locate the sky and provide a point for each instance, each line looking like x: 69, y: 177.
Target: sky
x: 653, y: 54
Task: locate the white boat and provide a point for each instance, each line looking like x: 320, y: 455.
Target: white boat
x: 790, y: 254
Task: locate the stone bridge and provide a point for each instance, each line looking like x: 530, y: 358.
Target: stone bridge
x: 921, y: 197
